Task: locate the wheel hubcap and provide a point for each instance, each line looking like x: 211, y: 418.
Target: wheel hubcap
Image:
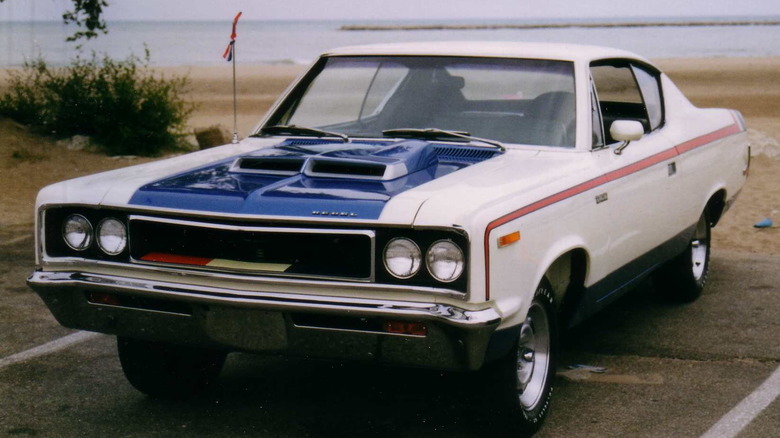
x: 533, y: 357
x: 699, y: 246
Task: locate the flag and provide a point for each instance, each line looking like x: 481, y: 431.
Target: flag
x: 228, y: 55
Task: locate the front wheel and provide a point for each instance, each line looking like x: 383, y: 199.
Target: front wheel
x: 519, y: 385
x: 683, y: 278
x: 168, y: 371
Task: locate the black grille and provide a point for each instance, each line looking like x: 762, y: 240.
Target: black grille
x: 464, y: 154
x: 266, y: 251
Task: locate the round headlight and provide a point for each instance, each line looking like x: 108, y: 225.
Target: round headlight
x: 112, y: 236
x: 402, y: 257
x: 445, y: 261
x: 77, y: 232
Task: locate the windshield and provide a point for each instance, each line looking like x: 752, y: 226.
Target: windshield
x: 509, y: 100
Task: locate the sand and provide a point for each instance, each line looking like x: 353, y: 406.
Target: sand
x: 751, y: 85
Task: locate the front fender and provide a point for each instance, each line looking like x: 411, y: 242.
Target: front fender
x: 514, y: 304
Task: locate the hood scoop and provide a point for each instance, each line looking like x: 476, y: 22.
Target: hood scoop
x: 268, y: 165
x: 346, y: 161
x: 339, y: 168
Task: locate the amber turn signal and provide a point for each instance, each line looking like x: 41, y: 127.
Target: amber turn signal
x: 508, y: 239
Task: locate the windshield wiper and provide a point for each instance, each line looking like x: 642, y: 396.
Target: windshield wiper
x: 436, y: 133
x: 301, y: 130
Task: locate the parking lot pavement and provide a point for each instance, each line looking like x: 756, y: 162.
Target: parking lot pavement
x: 670, y: 371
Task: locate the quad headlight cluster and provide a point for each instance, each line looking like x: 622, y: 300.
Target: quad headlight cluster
x: 444, y: 259
x: 110, y: 234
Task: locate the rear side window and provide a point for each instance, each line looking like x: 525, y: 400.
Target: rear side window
x: 651, y: 94
x: 627, y: 91
x: 616, y: 84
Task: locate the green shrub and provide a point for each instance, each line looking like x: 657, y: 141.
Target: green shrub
x: 122, y: 105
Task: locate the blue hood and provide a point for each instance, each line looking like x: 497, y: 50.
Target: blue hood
x: 310, y: 178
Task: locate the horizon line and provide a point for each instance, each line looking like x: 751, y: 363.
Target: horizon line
x: 592, y: 21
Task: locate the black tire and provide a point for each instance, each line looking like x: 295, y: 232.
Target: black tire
x: 519, y: 386
x: 683, y: 278
x: 168, y: 371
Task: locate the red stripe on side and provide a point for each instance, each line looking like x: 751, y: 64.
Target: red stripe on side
x: 160, y: 257
x: 704, y: 139
x: 608, y: 177
x: 640, y: 165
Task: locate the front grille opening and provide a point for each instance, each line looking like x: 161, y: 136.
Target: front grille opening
x: 348, y: 168
x: 141, y: 303
x: 336, y: 255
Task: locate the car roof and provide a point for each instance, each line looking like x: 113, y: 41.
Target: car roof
x: 490, y: 49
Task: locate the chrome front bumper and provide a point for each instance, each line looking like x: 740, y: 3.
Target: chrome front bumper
x: 233, y: 319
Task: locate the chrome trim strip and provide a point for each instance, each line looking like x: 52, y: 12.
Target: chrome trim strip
x: 448, y: 314
x: 41, y: 234
x: 250, y: 229
x: 74, y: 264
x: 216, y: 226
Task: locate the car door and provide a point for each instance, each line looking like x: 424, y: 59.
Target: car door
x: 637, y: 197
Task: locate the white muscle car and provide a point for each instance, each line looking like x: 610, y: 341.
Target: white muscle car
x: 443, y: 205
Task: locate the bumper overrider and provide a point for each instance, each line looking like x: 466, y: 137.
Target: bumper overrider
x: 397, y: 332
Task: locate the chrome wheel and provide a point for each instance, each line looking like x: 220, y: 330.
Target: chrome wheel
x: 533, y: 357
x: 699, y: 249
x: 517, y: 387
x: 682, y: 278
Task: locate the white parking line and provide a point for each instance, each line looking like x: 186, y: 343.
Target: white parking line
x: 49, y: 347
x: 748, y: 409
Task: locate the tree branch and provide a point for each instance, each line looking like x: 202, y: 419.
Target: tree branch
x: 86, y: 15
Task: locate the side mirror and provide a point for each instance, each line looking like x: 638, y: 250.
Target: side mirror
x: 625, y: 131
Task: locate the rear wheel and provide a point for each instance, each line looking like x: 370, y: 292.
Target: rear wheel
x: 170, y: 371
x: 519, y: 386
x: 683, y: 278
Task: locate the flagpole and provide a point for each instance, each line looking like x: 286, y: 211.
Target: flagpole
x: 235, y: 105
x: 230, y: 55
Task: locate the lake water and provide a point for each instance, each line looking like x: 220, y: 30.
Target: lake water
x: 297, y: 42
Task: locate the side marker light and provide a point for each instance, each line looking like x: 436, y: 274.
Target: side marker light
x: 508, y: 239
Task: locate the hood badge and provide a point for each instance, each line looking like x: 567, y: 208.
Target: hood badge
x: 333, y: 213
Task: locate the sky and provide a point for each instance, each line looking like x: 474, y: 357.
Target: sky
x: 144, y: 10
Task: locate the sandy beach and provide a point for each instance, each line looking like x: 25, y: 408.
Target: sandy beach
x: 751, y: 85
